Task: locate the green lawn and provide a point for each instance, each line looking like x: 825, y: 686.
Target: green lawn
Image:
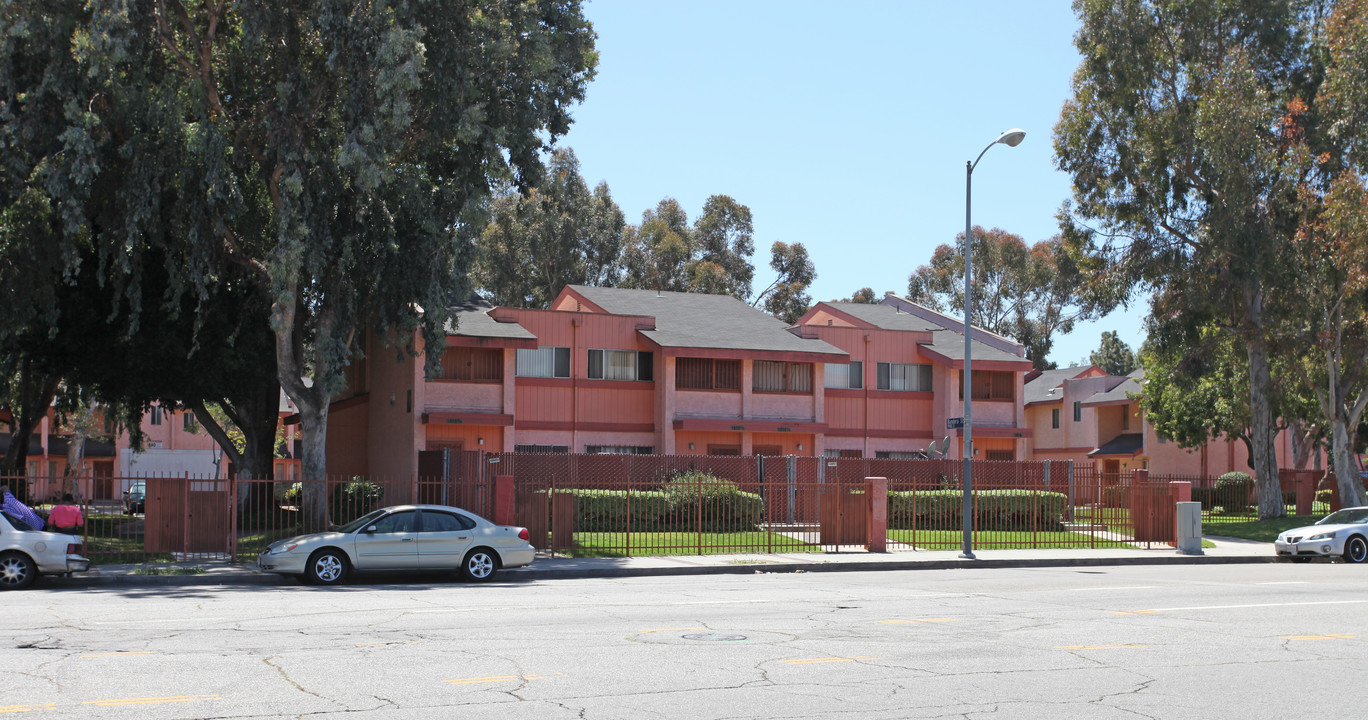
x: 616, y: 544
x: 1261, y: 530
x: 1001, y: 540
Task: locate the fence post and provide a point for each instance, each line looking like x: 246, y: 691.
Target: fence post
x: 1071, y: 491
x: 504, y: 512
x: 185, y: 515
x: 877, y: 519
x: 792, y: 486
x: 232, y: 517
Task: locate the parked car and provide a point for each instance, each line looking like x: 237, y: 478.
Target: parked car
x: 135, y: 498
x: 26, y: 553
x: 1343, y: 533
x: 403, y: 537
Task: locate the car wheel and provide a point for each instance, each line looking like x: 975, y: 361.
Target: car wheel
x: 1356, y: 549
x: 17, y: 571
x: 479, y: 565
x: 326, y: 567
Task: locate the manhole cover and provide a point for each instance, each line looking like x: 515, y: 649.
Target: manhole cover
x: 715, y: 637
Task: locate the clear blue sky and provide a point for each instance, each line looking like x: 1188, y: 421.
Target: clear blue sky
x: 843, y: 128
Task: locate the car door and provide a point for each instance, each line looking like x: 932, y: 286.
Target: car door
x: 389, y: 543
x: 443, y: 539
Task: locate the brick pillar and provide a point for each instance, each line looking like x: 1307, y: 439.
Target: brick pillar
x: 1182, y: 490
x: 504, y: 506
x: 878, y: 514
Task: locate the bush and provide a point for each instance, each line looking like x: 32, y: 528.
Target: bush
x: 352, y: 499
x: 724, y: 507
x: 1012, y: 510
x: 1113, y: 496
x: 1205, y: 496
x: 1233, y: 491
x: 1324, y: 496
x: 294, y: 493
x: 609, y: 510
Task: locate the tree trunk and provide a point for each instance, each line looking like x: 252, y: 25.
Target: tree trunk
x: 1303, y: 443
x: 313, y: 509
x: 35, y: 397
x: 75, y: 460
x: 1264, y: 456
x: 1346, y: 474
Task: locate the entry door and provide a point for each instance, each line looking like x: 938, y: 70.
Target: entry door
x: 443, y: 538
x: 393, y: 544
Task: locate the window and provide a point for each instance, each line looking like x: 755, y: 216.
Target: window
x: 1054, y: 418
x: 707, y: 374
x: 772, y: 376
x: 400, y: 522
x: 1078, y: 411
x: 547, y: 362
x: 541, y: 448
x: 914, y: 377
x: 620, y: 365
x: 434, y: 521
x: 991, y: 385
x: 472, y: 364
x: 619, y: 449
x: 845, y: 376
x: 900, y: 455
x: 838, y: 453
x: 188, y: 421
x: 1125, y: 419
x: 155, y: 415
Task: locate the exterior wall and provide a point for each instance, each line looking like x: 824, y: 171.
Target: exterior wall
x: 702, y: 439
x: 452, y: 395
x: 469, y: 436
x: 706, y: 404
x: 394, y: 425
x: 348, y: 447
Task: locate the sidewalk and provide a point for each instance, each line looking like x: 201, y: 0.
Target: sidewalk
x: 211, y: 572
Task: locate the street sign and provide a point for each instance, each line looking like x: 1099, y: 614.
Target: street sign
x: 954, y: 423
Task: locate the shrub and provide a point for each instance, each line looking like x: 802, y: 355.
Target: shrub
x: 354, y: 498
x: 610, y: 510
x: 1012, y: 510
x: 1233, y: 491
x: 1323, y: 496
x: 292, y: 495
x: 1205, y: 496
x: 723, y: 506
x: 1113, y: 496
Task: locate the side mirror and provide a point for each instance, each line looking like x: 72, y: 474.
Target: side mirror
x: 370, y: 529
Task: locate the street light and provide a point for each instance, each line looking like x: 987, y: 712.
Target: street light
x: 1011, y: 138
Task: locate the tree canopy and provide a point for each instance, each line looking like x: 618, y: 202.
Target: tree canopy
x: 1113, y: 355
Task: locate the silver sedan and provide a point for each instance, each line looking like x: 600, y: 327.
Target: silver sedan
x: 1343, y: 533
x: 25, y: 552
x: 403, y: 537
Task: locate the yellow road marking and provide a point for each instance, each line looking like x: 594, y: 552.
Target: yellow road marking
x: 1331, y: 636
x: 918, y: 620
x: 815, y: 661
x: 1134, y: 612
x: 495, y: 678
x: 150, y: 700
x: 654, y: 630
x: 26, y: 708
x: 1097, y: 647
x: 121, y: 654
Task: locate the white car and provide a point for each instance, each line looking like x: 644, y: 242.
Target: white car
x: 1343, y: 533
x: 26, y: 553
x: 423, y: 538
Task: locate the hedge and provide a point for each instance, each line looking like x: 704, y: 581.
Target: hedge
x: 675, y: 506
x: 1015, y: 510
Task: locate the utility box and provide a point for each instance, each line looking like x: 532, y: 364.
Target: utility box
x: 1189, y: 520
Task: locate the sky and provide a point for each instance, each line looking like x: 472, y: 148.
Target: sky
x: 844, y: 127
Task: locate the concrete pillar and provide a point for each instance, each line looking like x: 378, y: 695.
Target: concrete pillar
x: 877, y: 493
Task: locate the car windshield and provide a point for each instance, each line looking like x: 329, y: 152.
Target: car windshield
x: 361, y: 522
x: 1346, y: 517
x: 17, y: 523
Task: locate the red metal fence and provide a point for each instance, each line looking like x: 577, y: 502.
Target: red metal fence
x: 620, y: 505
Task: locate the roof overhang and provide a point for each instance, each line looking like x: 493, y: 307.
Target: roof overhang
x: 958, y: 363
x: 726, y: 425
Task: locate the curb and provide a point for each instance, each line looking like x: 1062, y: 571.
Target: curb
x: 254, y: 578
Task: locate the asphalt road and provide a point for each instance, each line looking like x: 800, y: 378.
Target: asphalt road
x: 1210, y: 642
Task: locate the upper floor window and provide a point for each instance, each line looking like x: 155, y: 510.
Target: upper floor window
x: 1125, y: 419
x: 154, y: 415
x: 621, y: 365
x: 619, y: 449
x: 839, y: 375
x: 707, y: 374
x: 554, y: 449
x: 188, y: 421
x: 913, y: 377
x: 1054, y: 418
x: 991, y: 385
x: 1078, y: 411
x: 547, y: 362
x: 770, y: 376
x: 472, y: 364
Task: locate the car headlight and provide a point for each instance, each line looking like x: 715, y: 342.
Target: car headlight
x: 1322, y: 536
x: 281, y: 549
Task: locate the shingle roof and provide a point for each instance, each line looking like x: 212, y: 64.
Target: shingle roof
x: 471, y: 319
x: 1044, y: 388
x: 1131, y: 385
x: 944, y: 341
x: 1128, y: 444
x: 704, y: 321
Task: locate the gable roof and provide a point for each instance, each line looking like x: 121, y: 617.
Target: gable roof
x: 697, y: 320
x: 471, y: 319
x: 1045, y: 387
x: 1128, y: 444
x: 1121, y: 391
x: 947, y: 343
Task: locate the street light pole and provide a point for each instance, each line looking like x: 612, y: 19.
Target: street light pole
x: 1011, y: 138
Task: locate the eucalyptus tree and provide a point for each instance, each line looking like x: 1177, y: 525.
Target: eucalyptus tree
x: 1184, y: 177
x: 339, y: 154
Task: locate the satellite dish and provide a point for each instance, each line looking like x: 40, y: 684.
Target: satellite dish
x: 938, y: 449
x: 945, y: 446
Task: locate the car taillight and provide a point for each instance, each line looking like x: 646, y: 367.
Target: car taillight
x: 74, y: 548
x: 523, y: 534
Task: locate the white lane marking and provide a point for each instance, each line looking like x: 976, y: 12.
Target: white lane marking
x: 1260, y: 605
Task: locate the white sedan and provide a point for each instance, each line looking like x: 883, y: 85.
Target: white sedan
x: 1343, y: 533
x: 25, y: 553
x: 403, y: 537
